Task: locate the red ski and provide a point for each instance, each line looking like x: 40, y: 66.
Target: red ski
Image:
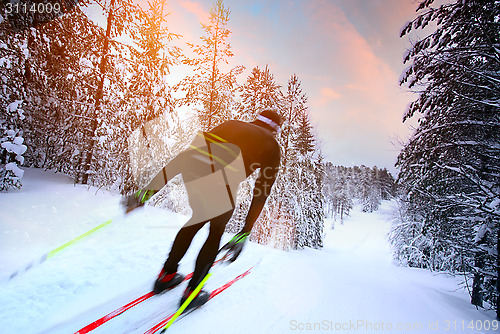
x: 214, y: 293
x: 117, y: 312
x: 120, y: 310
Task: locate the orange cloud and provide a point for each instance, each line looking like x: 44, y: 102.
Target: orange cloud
x: 326, y: 95
x: 329, y: 93
x: 196, y: 9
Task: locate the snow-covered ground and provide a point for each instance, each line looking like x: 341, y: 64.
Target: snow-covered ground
x: 349, y: 286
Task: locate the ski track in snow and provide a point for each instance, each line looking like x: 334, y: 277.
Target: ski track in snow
x: 346, y: 287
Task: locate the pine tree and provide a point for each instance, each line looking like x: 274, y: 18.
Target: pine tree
x: 387, y: 184
x: 60, y: 67
x: 295, y: 102
x: 67, y: 70
x: 11, y: 146
x: 152, y: 60
x: 337, y: 192
x: 411, y: 247
x: 14, y: 76
x: 260, y: 92
x: 148, y: 97
x: 210, y: 87
x: 294, y: 213
x: 120, y: 17
x: 305, y: 138
x: 310, y: 176
x: 370, y: 189
x: 450, y: 166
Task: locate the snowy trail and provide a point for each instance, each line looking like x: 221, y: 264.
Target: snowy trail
x: 352, y: 286
x: 349, y: 286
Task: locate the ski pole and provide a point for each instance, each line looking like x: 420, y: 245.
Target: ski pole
x: 57, y: 250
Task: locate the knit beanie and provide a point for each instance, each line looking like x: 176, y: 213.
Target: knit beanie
x: 270, y: 118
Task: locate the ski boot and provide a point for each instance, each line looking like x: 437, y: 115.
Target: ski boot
x: 167, y: 281
x: 198, y: 301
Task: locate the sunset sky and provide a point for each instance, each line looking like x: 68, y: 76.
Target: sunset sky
x: 347, y: 53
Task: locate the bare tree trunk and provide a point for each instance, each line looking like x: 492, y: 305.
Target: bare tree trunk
x: 213, y: 79
x: 477, y: 284
x: 99, y: 94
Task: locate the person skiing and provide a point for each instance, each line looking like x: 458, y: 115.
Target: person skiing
x: 212, y: 168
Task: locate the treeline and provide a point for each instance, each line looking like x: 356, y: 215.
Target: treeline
x: 345, y: 186
x: 450, y: 168
x: 74, y: 97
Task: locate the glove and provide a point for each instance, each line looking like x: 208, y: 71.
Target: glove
x: 137, y: 200
x: 234, y: 247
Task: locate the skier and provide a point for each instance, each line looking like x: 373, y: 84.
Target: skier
x: 212, y: 168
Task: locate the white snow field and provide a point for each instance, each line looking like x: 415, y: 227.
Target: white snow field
x: 349, y: 286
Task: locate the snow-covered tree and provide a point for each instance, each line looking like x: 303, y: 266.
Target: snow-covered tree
x: 387, y: 184
x: 212, y: 86
x: 306, y: 141
x: 450, y: 167
x: 14, y: 77
x: 310, y: 170
x: 370, y: 190
x: 146, y: 99
x: 148, y: 92
x: 294, y: 213
x: 120, y: 17
x: 412, y: 246
x: 11, y: 146
x: 337, y: 192
x: 62, y: 83
x: 61, y: 72
x: 258, y: 93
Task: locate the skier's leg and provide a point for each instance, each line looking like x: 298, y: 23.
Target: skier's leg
x: 208, y: 252
x: 181, y: 244
x: 168, y: 276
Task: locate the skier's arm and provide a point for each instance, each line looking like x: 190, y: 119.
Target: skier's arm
x: 138, y: 199
x: 165, y: 174
x: 159, y: 181
x: 263, y: 185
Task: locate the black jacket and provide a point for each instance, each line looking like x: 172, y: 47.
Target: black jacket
x: 259, y: 149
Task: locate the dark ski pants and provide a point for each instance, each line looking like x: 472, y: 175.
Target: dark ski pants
x: 208, y: 252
